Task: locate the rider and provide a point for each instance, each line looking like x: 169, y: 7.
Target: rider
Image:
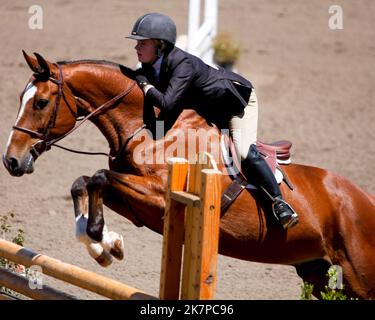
x: 172, y: 78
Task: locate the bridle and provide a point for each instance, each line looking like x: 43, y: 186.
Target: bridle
x: 52, y: 121
x: 45, y: 144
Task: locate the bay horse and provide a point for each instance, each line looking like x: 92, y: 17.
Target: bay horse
x: 337, y: 218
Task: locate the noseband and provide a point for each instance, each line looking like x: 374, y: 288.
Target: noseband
x: 44, y: 144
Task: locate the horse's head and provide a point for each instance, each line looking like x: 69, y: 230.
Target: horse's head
x: 47, y: 111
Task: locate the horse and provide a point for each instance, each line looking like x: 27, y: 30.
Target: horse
x: 337, y: 218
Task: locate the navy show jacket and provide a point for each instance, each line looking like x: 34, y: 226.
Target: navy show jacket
x: 185, y: 81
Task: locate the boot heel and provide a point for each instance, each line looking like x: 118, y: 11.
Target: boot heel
x: 293, y: 220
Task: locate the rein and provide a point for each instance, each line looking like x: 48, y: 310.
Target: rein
x: 44, y: 144
x: 102, y: 153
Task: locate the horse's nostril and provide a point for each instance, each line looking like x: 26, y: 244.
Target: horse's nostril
x: 13, y: 164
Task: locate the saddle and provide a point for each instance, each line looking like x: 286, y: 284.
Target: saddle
x: 274, y: 153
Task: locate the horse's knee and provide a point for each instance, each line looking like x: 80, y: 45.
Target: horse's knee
x: 79, y: 195
x: 98, y: 181
x: 78, y: 188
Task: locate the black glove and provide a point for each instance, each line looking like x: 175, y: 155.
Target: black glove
x: 141, y: 80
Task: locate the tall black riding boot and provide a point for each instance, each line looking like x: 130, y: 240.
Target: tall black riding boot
x: 256, y: 170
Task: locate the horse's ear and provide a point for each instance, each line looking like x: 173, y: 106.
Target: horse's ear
x: 43, y: 67
x: 39, y: 65
x: 33, y: 63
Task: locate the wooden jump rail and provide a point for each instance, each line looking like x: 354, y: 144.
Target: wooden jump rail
x: 196, y: 186
x: 63, y: 271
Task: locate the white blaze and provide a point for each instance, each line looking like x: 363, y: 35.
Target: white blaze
x: 29, y: 94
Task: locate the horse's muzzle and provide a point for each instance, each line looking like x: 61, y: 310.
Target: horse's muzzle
x: 17, y: 167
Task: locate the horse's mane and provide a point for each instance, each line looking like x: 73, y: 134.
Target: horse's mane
x: 130, y: 73
x: 90, y: 61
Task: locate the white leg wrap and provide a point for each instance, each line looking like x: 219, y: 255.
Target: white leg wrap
x: 109, y: 240
x: 95, y: 248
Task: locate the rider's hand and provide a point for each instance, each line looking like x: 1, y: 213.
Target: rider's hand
x: 142, y: 80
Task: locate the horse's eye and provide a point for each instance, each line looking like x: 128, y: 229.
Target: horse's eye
x: 41, y: 103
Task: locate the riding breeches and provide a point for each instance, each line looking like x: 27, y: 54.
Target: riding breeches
x: 243, y: 127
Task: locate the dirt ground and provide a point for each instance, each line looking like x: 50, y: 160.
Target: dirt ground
x: 315, y: 86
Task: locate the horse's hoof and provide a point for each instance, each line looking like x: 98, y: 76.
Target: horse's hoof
x: 104, y: 259
x: 118, y: 249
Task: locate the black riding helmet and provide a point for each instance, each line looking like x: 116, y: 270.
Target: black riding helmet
x: 154, y: 26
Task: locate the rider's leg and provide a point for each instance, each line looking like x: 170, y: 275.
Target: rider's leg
x: 243, y: 129
x: 256, y: 169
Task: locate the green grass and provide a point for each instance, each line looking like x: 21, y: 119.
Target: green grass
x: 333, y: 291
x: 18, y: 237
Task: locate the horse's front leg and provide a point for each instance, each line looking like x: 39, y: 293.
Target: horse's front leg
x: 138, y: 199
x: 110, y: 243
x: 97, y: 187
x: 123, y: 193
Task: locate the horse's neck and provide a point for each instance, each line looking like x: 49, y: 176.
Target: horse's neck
x: 97, y: 84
